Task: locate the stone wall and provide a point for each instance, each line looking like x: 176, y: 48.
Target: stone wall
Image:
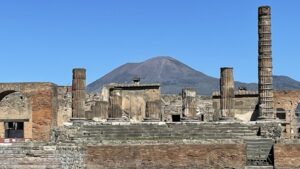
x: 16, y: 107
x: 244, y: 107
x: 42, y: 99
x: 287, y: 156
x: 64, y: 98
x: 286, y: 102
x: 41, y: 156
x: 173, y: 105
x: 167, y: 156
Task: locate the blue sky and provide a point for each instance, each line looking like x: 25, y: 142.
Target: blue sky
x: 42, y: 40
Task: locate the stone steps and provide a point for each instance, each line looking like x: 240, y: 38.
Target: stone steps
x: 31, y: 166
x: 259, y: 151
x: 259, y: 167
x: 180, y: 131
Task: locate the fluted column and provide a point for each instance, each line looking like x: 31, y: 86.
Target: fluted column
x: 227, y: 93
x: 78, y: 93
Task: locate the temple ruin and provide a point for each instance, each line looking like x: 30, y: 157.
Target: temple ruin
x: 133, y: 125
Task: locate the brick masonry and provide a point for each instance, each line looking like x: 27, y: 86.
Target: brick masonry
x: 167, y: 156
x: 42, y: 109
x: 287, y: 156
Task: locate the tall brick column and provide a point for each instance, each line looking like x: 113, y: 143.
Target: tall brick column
x: 78, y: 93
x: 265, y: 79
x: 227, y: 93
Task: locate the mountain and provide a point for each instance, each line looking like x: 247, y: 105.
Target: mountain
x: 174, y: 76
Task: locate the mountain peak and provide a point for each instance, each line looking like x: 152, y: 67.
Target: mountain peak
x: 161, y: 58
x: 174, y: 75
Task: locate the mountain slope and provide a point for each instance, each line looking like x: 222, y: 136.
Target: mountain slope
x: 174, y: 75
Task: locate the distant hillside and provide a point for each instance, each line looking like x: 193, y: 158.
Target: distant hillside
x: 174, y: 75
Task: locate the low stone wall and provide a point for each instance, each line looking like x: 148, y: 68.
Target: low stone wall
x: 167, y: 156
x: 287, y: 156
x: 41, y: 156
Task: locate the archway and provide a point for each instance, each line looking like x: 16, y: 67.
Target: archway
x: 15, y: 114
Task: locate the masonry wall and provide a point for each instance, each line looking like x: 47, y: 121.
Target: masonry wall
x: 134, y: 102
x: 287, y: 156
x: 167, y: 156
x: 286, y: 101
x: 244, y: 107
x: 41, y: 156
x: 173, y: 106
x: 42, y: 100
x: 64, y: 98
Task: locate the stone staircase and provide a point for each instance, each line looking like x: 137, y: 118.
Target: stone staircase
x: 259, y: 153
x: 168, y: 131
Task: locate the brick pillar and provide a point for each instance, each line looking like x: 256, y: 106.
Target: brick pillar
x: 227, y: 93
x: 78, y: 93
x: 265, y: 79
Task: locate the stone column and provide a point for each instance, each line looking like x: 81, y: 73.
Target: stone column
x: 101, y: 110
x: 115, y: 106
x: 153, y: 111
x: 265, y: 79
x: 189, y: 104
x: 227, y: 93
x: 78, y: 93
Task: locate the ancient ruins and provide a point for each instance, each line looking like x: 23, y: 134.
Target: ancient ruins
x: 133, y: 125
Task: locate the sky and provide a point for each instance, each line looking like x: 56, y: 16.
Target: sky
x: 43, y: 40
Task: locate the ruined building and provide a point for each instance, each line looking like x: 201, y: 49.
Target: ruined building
x: 133, y: 125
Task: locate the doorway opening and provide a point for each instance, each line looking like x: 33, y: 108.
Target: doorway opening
x: 14, y: 129
x: 175, y: 118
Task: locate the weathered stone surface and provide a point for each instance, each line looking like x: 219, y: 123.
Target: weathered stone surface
x: 285, y: 103
x: 40, y: 107
x: 42, y: 156
x: 64, y: 99
x: 227, y: 92
x: 265, y: 67
x: 287, y: 156
x: 128, y: 101
x: 78, y: 93
x: 245, y: 105
x: 189, y: 104
x: 167, y: 156
x: 95, y: 133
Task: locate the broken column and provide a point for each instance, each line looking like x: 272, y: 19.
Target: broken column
x: 189, y: 105
x: 265, y: 80
x: 100, y: 110
x: 227, y: 93
x: 115, y: 106
x: 153, y: 111
x: 78, y: 93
